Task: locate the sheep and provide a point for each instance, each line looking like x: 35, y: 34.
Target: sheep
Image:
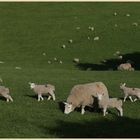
x: 115, y: 13
x: 43, y: 90
x: 5, y: 93
x: 96, y: 38
x: 49, y: 62
x: 18, y: 68
x: 135, y: 24
x: 60, y: 62
x: 44, y: 54
x: 82, y: 95
x: 70, y: 41
x: 106, y: 103
x: 129, y: 92
x: 128, y: 15
x: 125, y: 66
x: 76, y: 60
x: 63, y: 46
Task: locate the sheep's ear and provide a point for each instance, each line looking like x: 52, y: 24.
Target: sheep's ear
x: 65, y: 103
x: 124, y: 84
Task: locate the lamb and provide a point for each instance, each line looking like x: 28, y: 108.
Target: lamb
x: 125, y: 66
x: 5, y: 93
x: 129, y: 92
x: 106, y: 103
x: 82, y: 95
x: 43, y: 90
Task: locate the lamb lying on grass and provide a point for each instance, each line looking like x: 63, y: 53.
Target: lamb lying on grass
x: 4, y: 92
x: 46, y: 89
x: 106, y: 103
x: 129, y: 92
x: 82, y: 95
x: 125, y: 66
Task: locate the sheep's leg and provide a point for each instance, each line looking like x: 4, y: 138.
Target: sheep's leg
x: 39, y: 96
x: 104, y: 111
x: 121, y: 111
x: 135, y: 99
x: 125, y: 98
x: 83, y: 110
x: 130, y: 98
x: 53, y: 95
x: 7, y: 100
x: 49, y: 97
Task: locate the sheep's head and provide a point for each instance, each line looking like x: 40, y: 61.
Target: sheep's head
x: 122, y: 85
x: 68, y: 108
x: 32, y: 85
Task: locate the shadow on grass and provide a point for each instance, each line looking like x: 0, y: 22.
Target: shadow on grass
x: 31, y: 96
x: 119, y: 127
x: 2, y: 99
x: 112, y: 64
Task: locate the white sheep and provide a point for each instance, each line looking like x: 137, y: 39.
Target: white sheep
x: 76, y: 60
x: 43, y: 90
x: 130, y: 92
x: 4, y: 92
x: 96, y: 38
x: 70, y: 41
x: 82, y: 95
x: 107, y: 102
x: 125, y: 66
x: 63, y: 46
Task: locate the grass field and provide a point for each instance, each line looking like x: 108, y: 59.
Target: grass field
x: 27, y: 30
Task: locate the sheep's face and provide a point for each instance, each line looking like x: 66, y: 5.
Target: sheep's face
x: 68, y: 108
x: 100, y: 96
x: 32, y: 85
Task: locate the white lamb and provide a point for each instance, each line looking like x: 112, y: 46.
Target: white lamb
x: 4, y: 92
x: 82, y: 95
x: 129, y: 92
x: 106, y: 103
x: 43, y: 90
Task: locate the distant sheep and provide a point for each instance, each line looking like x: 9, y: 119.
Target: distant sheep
x: 106, y: 103
x: 46, y: 89
x: 130, y: 92
x: 125, y: 66
x: 82, y: 95
x: 76, y: 60
x: 4, y: 92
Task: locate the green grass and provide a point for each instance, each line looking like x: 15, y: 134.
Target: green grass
x: 29, y: 29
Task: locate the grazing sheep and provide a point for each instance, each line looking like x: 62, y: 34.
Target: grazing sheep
x: 120, y: 57
x: 44, y: 54
x: 18, y: 68
x: 82, y: 95
x: 106, y: 103
x: 96, y: 38
x: 43, y: 90
x: 91, y: 28
x: 116, y: 25
x: 78, y: 28
x: 135, y: 24
x: 60, y: 62
x: 70, y: 41
x: 49, y: 62
x: 129, y: 92
x: 63, y: 46
x: 76, y: 60
x: 125, y: 66
x: 5, y: 93
x: 128, y: 15
x: 1, y: 62
x: 115, y: 13
x: 55, y: 59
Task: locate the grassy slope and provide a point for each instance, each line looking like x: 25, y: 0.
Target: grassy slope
x: 29, y: 29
